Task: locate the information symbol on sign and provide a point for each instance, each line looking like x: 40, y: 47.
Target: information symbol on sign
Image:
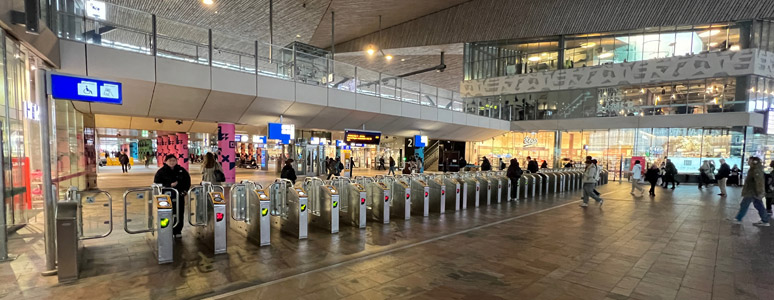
x: 140, y: 195
x: 90, y: 200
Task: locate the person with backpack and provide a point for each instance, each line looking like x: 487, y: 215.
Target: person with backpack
x: 723, y: 173
x: 288, y: 172
x: 590, y: 178
x: 502, y: 164
x: 514, y: 173
x: 670, y: 173
x: 392, y: 166
x: 212, y: 171
x: 753, y: 192
x: 172, y: 175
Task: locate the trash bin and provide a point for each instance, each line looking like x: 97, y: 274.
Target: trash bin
x: 68, y: 244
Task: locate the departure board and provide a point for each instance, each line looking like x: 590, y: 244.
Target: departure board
x: 362, y: 137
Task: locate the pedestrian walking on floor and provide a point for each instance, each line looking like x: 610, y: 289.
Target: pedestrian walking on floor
x: 652, y: 176
x: 733, y: 180
x: 502, y: 164
x: 172, y: 175
x: 407, y: 169
x: 392, y: 166
x: 124, y: 160
x: 544, y: 165
x: 147, y: 160
x: 381, y: 164
x: 723, y: 173
x: 705, y: 174
x: 514, y: 173
x: 330, y: 166
x: 590, y: 178
x: 769, y: 178
x: 212, y: 171
x: 753, y: 192
x: 636, y: 177
x: 670, y: 173
x: 532, y: 165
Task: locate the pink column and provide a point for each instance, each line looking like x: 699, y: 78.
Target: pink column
x: 166, y: 147
x: 182, y: 150
x: 227, y: 150
x: 159, y: 151
x: 171, y: 140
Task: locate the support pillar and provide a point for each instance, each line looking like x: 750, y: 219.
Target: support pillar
x: 182, y: 150
x: 227, y: 150
x: 159, y: 151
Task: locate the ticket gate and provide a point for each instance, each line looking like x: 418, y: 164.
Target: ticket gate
x: 420, y: 198
x: 250, y: 209
x: 289, y: 212
x: 503, y: 187
x: 453, y: 192
x: 158, y: 218
x: 552, y: 182
x: 400, y: 206
x: 603, y: 176
x: 543, y: 186
x: 470, y: 190
x: 530, y: 188
x: 569, y: 179
x: 207, y: 206
x: 437, y: 192
x: 561, y: 176
x: 493, y: 188
x: 378, y: 199
x: 323, y: 203
x: 70, y: 228
x: 482, y: 189
x: 352, y: 204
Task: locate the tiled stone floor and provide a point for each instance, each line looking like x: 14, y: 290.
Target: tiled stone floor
x: 676, y: 246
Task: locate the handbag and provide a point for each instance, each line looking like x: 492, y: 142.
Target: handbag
x: 219, y: 176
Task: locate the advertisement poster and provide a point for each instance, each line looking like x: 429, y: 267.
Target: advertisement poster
x: 641, y: 159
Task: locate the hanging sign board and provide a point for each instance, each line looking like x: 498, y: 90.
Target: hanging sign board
x: 362, y: 137
x: 79, y: 88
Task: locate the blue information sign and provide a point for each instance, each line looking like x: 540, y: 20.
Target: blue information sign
x: 68, y: 87
x: 283, y: 132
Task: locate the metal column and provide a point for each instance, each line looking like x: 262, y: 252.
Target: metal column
x: 45, y: 154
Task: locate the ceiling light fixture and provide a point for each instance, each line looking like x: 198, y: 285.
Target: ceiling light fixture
x: 402, y: 59
x: 388, y: 57
x: 370, y: 51
x: 208, y: 2
x: 298, y: 35
x: 534, y: 58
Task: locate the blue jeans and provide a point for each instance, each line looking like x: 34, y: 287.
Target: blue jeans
x: 757, y: 203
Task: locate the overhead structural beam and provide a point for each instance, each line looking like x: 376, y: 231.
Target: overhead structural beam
x: 440, y: 68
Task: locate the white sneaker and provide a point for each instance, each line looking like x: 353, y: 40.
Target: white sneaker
x: 601, y: 202
x: 584, y: 205
x: 761, y: 224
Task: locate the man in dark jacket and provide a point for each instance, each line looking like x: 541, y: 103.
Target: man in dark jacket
x: 463, y: 164
x: 532, y: 165
x: 670, y: 173
x: 514, y: 173
x: 753, y: 192
x: 392, y: 166
x: 722, y: 176
x: 288, y: 172
x: 123, y: 159
x: 172, y: 175
x: 485, y: 165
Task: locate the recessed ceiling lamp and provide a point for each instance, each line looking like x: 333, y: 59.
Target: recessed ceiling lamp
x: 370, y: 51
x: 208, y: 2
x: 388, y: 57
x: 298, y: 35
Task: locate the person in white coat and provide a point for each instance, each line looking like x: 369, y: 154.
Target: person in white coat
x: 590, y: 178
x: 637, y: 177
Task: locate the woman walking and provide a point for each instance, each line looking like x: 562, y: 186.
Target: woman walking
x: 753, y: 192
x: 210, y: 167
x: 652, y: 176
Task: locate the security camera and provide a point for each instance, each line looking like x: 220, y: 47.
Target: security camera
x: 159, y: 121
x: 179, y: 122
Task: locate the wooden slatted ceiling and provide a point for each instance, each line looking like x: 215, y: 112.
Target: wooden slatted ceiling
x: 483, y: 20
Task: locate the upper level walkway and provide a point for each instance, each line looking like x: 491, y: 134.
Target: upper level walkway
x: 177, y: 71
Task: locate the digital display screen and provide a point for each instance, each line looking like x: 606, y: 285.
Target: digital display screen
x: 285, y: 133
x: 67, y: 87
x: 362, y: 137
x: 770, y: 122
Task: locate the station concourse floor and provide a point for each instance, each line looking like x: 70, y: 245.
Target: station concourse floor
x: 677, y: 245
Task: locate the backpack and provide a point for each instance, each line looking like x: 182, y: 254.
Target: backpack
x: 219, y: 176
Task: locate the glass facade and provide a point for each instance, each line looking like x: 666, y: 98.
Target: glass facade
x: 503, y: 58
x: 614, y: 148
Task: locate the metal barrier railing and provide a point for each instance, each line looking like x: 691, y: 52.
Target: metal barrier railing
x: 75, y: 195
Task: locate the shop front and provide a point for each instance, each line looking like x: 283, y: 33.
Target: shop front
x: 687, y: 148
